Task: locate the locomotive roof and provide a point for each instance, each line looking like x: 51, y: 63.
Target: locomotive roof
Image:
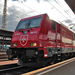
x: 67, y: 28
x: 50, y: 19
x: 33, y: 17
x: 72, y: 30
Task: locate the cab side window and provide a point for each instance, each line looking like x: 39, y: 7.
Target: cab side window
x: 53, y: 25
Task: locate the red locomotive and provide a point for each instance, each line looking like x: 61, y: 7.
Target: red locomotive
x: 40, y: 40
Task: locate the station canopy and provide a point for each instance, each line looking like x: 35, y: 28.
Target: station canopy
x: 71, y: 4
x: 5, y: 38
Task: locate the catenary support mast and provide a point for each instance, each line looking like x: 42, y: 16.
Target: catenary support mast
x: 4, y: 15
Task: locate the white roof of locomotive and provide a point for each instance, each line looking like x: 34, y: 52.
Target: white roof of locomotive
x: 67, y: 27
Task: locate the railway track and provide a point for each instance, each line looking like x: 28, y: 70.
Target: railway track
x: 9, y: 67
x: 14, y: 69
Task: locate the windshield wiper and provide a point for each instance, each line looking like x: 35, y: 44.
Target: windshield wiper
x: 28, y: 24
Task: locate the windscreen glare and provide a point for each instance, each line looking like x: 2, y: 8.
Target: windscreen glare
x: 35, y: 22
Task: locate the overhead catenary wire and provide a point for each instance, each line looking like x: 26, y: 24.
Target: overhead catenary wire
x: 62, y: 5
x: 29, y: 7
x: 69, y: 13
x: 38, y: 12
x: 55, y: 8
x: 62, y: 8
x: 71, y: 18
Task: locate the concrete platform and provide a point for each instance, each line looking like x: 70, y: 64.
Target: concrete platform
x: 66, y: 67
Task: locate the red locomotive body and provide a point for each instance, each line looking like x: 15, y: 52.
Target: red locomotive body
x: 40, y: 40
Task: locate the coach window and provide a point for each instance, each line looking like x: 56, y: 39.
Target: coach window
x: 53, y: 25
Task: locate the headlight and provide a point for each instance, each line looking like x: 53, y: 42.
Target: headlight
x: 14, y: 44
x: 33, y: 44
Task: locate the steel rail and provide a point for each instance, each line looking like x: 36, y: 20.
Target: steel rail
x: 10, y: 68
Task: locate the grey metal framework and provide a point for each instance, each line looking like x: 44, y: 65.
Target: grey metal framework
x: 4, y: 15
x: 5, y: 38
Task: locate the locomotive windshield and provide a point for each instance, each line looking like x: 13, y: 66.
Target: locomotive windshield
x: 35, y: 22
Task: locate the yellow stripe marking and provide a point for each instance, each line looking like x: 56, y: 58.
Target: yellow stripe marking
x: 44, y: 72
x: 39, y: 70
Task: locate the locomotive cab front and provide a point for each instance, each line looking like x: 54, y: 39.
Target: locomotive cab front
x: 25, y: 40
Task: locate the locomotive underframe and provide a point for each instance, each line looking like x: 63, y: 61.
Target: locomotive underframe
x: 25, y: 54
x: 33, y: 56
